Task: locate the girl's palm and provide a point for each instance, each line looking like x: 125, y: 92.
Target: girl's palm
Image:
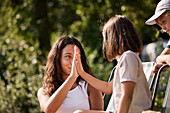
x: 79, y: 66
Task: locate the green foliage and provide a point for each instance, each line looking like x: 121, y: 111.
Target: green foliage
x: 20, y: 70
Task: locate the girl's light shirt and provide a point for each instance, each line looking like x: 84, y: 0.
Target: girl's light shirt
x: 129, y: 68
x: 76, y: 99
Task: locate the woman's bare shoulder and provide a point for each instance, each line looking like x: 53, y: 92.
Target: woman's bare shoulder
x: 41, y: 93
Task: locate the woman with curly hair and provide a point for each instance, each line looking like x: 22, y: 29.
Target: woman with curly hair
x: 63, y: 90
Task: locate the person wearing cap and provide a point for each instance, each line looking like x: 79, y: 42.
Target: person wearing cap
x: 162, y: 18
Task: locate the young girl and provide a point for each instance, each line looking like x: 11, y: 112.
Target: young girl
x: 129, y: 85
x: 63, y: 90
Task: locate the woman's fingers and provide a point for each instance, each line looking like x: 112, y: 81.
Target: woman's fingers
x: 74, y: 70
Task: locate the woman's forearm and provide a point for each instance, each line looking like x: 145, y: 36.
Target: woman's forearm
x: 59, y: 95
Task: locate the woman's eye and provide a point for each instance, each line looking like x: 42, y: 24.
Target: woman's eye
x: 68, y: 56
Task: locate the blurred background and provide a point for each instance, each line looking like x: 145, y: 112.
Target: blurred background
x: 28, y: 29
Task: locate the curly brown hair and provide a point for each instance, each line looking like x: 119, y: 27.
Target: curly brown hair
x: 53, y: 78
x: 119, y: 36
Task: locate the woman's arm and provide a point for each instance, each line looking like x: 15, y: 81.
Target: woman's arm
x: 51, y: 104
x: 126, y: 98
x: 95, y: 98
x: 103, y: 86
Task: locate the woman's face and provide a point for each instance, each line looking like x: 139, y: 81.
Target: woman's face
x: 66, y: 59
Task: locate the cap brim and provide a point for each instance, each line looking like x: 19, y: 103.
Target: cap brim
x: 152, y: 21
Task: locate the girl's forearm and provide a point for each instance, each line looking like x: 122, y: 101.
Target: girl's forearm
x: 102, y: 86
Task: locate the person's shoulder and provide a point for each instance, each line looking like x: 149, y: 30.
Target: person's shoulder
x: 40, y: 89
x: 40, y: 92
x: 129, y: 55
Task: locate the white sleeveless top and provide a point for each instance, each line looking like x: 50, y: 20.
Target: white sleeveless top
x: 76, y: 99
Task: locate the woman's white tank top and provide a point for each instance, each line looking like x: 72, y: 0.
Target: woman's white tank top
x: 76, y: 99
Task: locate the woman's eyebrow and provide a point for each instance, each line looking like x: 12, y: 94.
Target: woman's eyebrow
x: 67, y: 53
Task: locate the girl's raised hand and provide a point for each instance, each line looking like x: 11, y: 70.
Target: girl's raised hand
x: 79, y: 66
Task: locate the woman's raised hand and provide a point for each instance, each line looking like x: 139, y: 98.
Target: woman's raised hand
x: 73, y: 69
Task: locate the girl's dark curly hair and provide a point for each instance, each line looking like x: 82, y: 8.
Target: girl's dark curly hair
x: 53, y: 78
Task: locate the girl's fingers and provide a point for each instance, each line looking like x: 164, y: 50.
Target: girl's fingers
x: 78, y: 64
x: 78, y: 57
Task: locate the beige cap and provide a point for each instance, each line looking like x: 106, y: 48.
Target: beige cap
x: 162, y: 6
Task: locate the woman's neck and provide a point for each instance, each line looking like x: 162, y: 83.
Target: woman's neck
x: 74, y: 86
x: 64, y: 76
